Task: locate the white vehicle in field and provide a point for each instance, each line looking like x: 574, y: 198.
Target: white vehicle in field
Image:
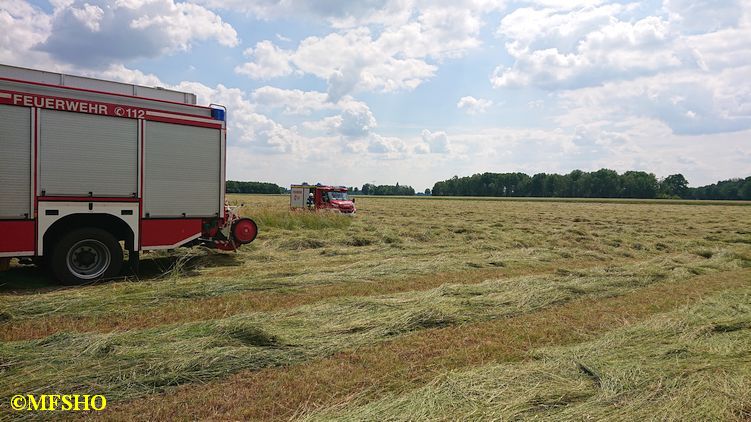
x: 86, y: 164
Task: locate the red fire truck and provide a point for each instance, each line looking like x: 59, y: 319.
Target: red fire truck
x: 320, y: 197
x: 89, y: 166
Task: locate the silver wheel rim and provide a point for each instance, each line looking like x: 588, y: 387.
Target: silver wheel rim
x: 88, y: 259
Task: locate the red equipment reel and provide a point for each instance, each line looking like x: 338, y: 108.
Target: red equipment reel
x: 244, y: 231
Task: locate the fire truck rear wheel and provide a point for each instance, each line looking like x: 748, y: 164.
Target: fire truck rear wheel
x: 86, y: 255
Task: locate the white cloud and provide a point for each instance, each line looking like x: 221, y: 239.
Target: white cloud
x: 681, y: 66
x: 359, y: 62
x: 347, y: 13
x: 337, y: 12
x: 23, y: 26
x: 687, y: 102
x: 128, y: 29
x: 89, y: 15
x: 437, y: 142
x: 357, y: 119
x: 702, y: 16
x: 268, y: 61
x: 421, y: 148
x: 121, y: 73
x: 389, y: 146
x: 292, y: 101
x: 354, y: 121
x: 399, y: 56
x: 584, y: 47
x: 472, y: 105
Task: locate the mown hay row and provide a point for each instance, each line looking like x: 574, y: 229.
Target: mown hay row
x: 690, y: 364
x: 139, y: 362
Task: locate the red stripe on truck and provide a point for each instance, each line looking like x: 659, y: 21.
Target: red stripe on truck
x: 169, y: 232
x: 17, y: 236
x: 25, y: 99
x: 87, y: 199
x: 184, y: 121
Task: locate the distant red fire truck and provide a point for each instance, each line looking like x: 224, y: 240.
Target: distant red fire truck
x: 86, y: 164
x: 320, y: 197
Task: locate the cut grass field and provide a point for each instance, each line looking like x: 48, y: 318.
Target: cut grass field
x: 413, y: 309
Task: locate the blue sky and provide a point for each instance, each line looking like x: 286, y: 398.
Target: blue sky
x: 415, y: 91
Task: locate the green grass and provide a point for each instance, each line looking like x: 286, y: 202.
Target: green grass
x: 274, y: 217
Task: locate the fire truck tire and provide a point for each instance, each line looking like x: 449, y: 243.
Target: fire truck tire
x: 86, y: 255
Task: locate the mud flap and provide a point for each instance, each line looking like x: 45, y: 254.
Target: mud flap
x: 4, y: 264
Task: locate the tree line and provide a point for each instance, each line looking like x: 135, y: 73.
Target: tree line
x: 371, y: 189
x: 603, y: 183
x: 253, y: 187
x: 726, y: 189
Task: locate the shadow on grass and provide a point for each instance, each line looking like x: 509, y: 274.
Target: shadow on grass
x: 27, y: 278
x: 182, y: 264
x: 31, y: 279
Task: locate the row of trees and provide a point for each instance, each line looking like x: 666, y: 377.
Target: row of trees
x: 726, y: 189
x: 603, y: 183
x: 371, y: 189
x: 253, y: 187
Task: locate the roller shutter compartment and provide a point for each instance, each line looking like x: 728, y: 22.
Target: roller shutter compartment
x: 182, y: 171
x: 15, y: 162
x: 82, y: 153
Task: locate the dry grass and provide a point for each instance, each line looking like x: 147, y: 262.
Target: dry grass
x: 136, y: 362
x: 398, y: 295
x: 689, y: 364
x: 236, y: 303
x: 408, y: 362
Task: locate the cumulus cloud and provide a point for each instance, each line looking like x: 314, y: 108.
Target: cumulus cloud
x: 268, y: 61
x: 129, y: 29
x: 584, y: 47
x: 89, y: 16
x: 355, y: 120
x: 688, y: 103
x: 437, y: 142
x: 390, y: 146
x: 702, y: 16
x: 472, y: 105
x: 23, y: 27
x: 346, y: 13
x: 681, y: 66
x: 358, y: 62
x: 292, y: 101
x: 337, y: 12
x: 118, y: 72
x: 397, y: 57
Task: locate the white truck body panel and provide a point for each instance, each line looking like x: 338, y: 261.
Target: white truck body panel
x: 297, y: 197
x: 64, y: 209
